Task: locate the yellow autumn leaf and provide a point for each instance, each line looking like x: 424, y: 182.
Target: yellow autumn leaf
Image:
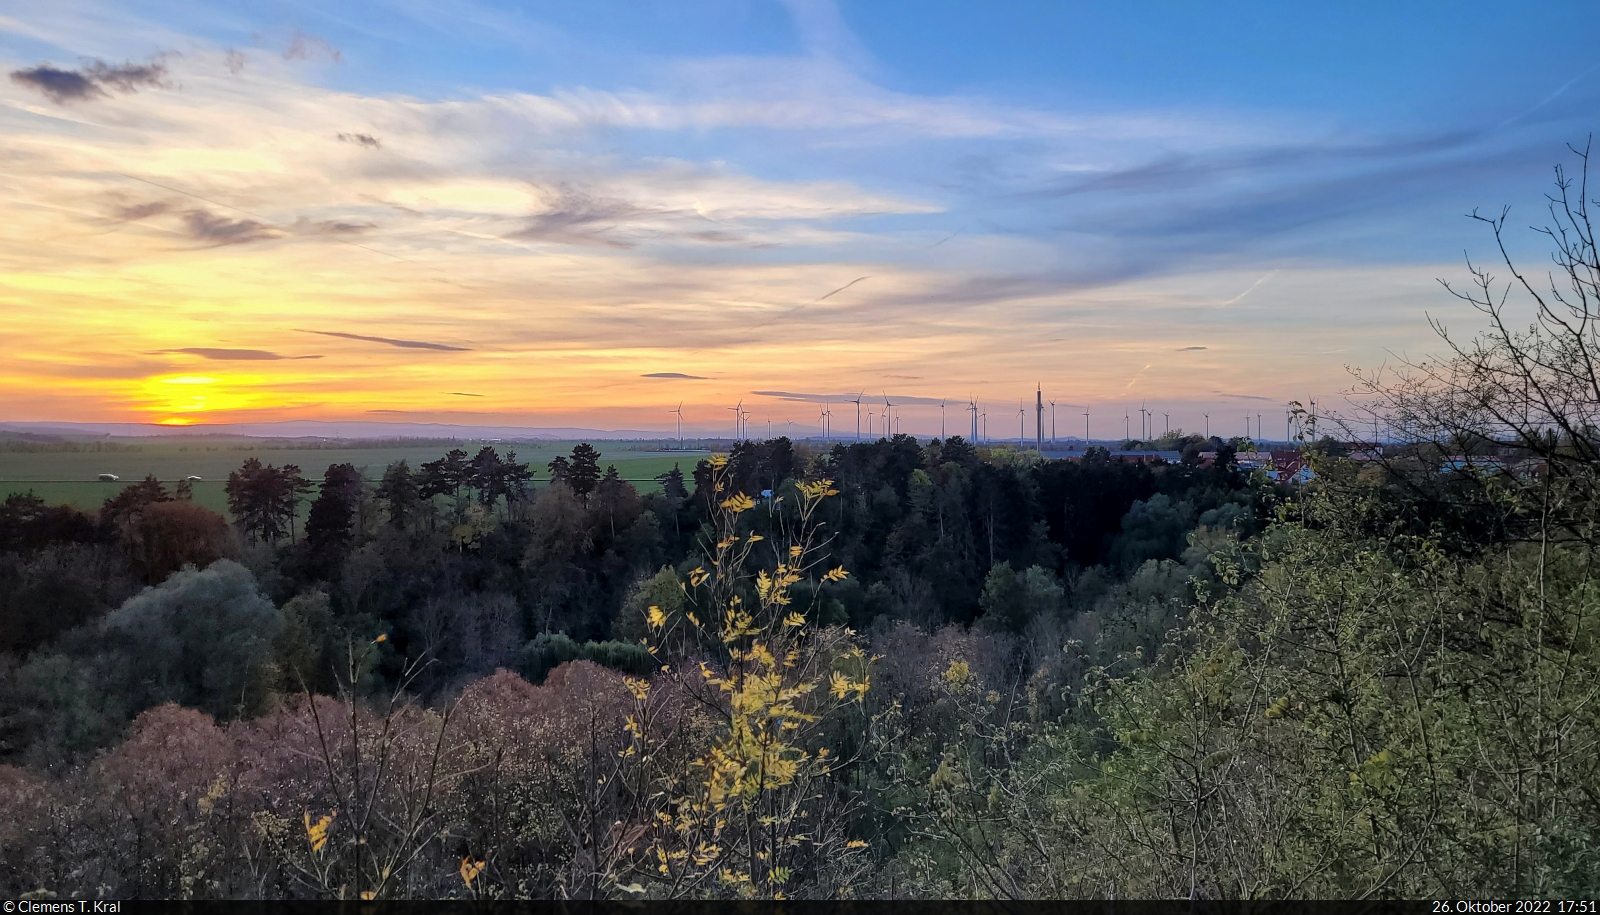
x: 839, y: 685
x: 794, y: 619
x: 837, y: 574
x: 738, y: 503
x: 470, y: 870
x: 368, y: 894
x: 317, y: 833
x: 655, y: 617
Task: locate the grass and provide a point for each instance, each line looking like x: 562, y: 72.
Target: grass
x: 71, y: 477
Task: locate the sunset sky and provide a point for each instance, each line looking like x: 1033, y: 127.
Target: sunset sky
x: 581, y: 214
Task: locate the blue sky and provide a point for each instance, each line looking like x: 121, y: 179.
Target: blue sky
x: 1206, y: 207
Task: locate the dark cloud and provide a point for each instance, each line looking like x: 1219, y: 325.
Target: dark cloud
x: 143, y: 210
x: 1189, y: 349
x: 717, y: 236
x: 332, y: 227
x: 309, y: 47
x: 362, y: 139
x: 899, y: 400
x: 91, y: 82
x: 462, y: 394
x: 220, y: 230
x: 1242, y: 396
x: 575, y: 217
x: 674, y: 375
x: 60, y: 86
x: 228, y: 355
x: 129, y: 77
x: 389, y: 341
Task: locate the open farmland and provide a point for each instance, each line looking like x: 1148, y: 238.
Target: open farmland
x: 71, y: 477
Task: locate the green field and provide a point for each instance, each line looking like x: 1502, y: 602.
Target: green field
x: 71, y: 477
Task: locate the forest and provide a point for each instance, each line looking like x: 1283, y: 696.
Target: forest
x: 894, y: 669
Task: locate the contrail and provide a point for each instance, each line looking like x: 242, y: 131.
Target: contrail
x: 836, y: 291
x: 1137, y: 375
x: 1250, y: 290
x: 1552, y: 97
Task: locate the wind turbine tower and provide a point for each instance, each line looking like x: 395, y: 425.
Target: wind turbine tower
x: 972, y: 406
x: 941, y: 418
x: 679, y: 411
x: 857, y: 402
x: 1038, y: 418
x: 1022, y: 423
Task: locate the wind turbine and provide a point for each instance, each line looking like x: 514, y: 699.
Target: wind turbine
x: 1085, y: 426
x: 1052, y: 424
x: 1038, y: 418
x: 1169, y: 422
x: 679, y: 411
x: 972, y: 406
x: 888, y: 416
x: 857, y: 402
x: 871, y: 428
x: 985, y: 417
x: 1258, y: 425
x: 941, y: 418
x: 1208, y: 427
x: 1127, y: 425
x: 736, y: 421
x: 1022, y: 423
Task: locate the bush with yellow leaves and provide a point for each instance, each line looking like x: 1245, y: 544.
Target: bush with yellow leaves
x: 759, y: 813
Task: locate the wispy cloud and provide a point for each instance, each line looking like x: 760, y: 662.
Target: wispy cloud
x: 361, y: 139
x: 303, y: 46
x: 215, y: 230
x: 229, y: 355
x: 577, y: 217
x: 138, y: 211
x: 390, y: 341
x: 674, y: 375
x: 1189, y: 349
